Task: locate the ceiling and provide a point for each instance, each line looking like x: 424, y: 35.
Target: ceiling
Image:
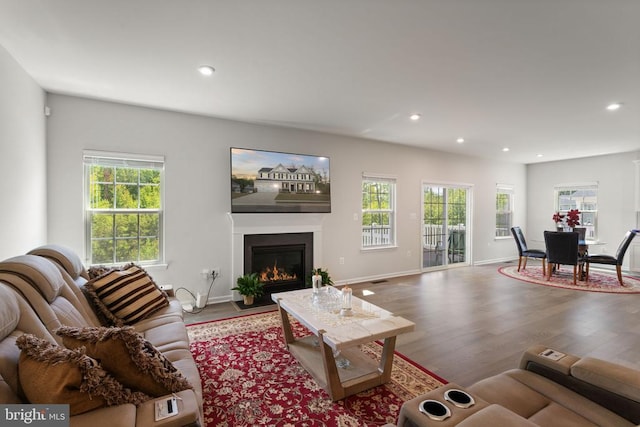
x: 531, y: 75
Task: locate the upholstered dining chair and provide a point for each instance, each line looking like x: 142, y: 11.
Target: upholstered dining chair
x: 612, y: 260
x: 525, y: 252
x: 562, y: 248
x: 582, y: 233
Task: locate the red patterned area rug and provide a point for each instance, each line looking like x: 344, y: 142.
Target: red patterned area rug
x: 249, y: 378
x: 598, y: 281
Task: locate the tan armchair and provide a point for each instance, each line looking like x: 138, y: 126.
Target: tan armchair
x: 543, y: 391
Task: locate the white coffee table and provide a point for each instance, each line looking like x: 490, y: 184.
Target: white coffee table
x: 336, y: 333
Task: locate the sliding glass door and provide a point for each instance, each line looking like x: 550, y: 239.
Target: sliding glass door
x: 445, y: 228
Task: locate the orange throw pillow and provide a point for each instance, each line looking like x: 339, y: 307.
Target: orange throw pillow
x: 51, y: 374
x: 126, y: 355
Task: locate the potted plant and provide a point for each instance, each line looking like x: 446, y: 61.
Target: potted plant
x: 250, y: 287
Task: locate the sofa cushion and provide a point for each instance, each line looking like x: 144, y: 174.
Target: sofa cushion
x: 126, y: 355
x: 609, y: 376
x: 9, y: 313
x: 127, y: 295
x: 38, y: 272
x: 496, y: 416
x: 520, y: 399
x: 64, y: 257
x: 50, y: 374
x: 543, y: 401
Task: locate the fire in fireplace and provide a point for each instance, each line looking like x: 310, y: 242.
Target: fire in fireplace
x: 275, y: 274
x: 282, y: 261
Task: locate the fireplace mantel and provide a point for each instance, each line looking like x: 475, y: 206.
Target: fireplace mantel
x: 275, y: 223
x: 244, y: 224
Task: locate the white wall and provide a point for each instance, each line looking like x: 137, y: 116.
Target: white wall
x: 198, y: 230
x: 615, y: 175
x: 22, y: 160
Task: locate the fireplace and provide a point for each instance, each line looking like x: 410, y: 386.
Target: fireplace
x: 283, y: 261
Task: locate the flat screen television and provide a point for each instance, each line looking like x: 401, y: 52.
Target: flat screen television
x: 275, y: 182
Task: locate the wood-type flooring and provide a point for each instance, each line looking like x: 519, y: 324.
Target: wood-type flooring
x: 473, y: 322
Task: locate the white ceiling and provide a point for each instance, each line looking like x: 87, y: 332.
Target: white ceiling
x: 531, y: 75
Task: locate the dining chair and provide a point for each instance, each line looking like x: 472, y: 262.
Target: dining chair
x: 524, y: 252
x: 612, y: 260
x: 582, y: 233
x: 562, y: 248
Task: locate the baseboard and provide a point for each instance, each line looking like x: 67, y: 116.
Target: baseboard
x: 377, y: 277
x: 495, y: 261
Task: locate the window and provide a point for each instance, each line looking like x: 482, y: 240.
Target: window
x: 583, y: 197
x: 378, y: 212
x: 504, y: 210
x: 123, y: 208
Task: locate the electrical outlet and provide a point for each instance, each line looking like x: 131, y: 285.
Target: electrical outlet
x: 210, y: 273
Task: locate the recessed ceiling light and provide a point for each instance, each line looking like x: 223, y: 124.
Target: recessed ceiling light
x: 615, y: 106
x: 505, y: 149
x: 206, y: 70
x: 415, y: 116
x: 460, y: 140
x: 539, y: 155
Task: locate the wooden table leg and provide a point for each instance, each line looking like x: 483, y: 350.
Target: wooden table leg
x: 286, y: 325
x: 386, y: 361
x: 334, y: 385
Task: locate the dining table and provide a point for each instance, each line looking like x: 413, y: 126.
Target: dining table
x: 583, y: 250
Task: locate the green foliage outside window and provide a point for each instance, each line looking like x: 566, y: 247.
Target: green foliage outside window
x: 376, y: 203
x: 124, y: 214
x: 434, y: 205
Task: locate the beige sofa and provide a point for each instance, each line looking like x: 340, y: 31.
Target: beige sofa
x: 42, y: 291
x: 566, y: 392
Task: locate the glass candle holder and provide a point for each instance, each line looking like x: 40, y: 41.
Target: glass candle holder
x: 316, y: 282
x: 346, y: 297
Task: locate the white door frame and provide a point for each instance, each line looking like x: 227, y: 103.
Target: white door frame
x: 468, y: 226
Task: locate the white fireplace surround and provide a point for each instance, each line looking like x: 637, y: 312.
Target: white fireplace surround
x: 246, y: 224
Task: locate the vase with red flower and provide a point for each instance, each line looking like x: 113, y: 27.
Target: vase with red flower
x: 558, y: 218
x: 567, y: 222
x: 573, y: 218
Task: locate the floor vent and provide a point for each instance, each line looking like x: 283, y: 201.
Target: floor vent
x: 375, y: 282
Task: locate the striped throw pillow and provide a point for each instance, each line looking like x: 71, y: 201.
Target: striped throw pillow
x: 129, y: 294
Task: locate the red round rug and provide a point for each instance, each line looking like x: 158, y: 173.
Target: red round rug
x: 598, y: 281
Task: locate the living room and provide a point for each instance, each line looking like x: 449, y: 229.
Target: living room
x: 42, y: 181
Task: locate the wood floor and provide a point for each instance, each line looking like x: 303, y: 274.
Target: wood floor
x: 473, y: 322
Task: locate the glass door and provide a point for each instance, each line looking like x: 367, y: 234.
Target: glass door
x: 444, y: 227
